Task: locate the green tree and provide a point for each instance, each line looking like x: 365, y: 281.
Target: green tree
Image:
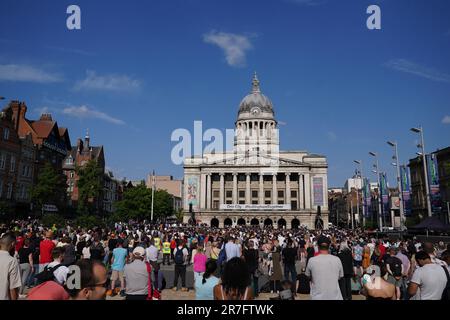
x: 137, y: 204
x: 50, y: 187
x: 89, y: 186
x: 163, y: 205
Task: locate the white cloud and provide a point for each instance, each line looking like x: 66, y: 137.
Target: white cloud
x: 42, y: 110
x: 418, y: 70
x: 86, y: 112
x: 233, y: 45
x: 109, y: 82
x: 25, y: 73
x: 332, y: 136
x: 446, y: 120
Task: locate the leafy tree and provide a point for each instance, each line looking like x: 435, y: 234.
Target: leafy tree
x: 137, y: 204
x: 89, y: 185
x: 50, y: 187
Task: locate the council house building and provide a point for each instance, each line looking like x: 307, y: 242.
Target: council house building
x: 256, y: 183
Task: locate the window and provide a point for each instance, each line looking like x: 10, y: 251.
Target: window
x: 2, y: 160
x: 267, y: 202
x: 241, y: 194
x: 254, y: 201
x: 1, y: 187
x: 72, y: 174
x: 293, y: 205
x: 13, y: 164
x: 69, y: 160
x: 229, y: 202
x: 229, y: 193
x: 280, y: 201
x: 9, y: 191
x: 280, y: 194
x: 216, y: 193
x: 267, y: 193
x: 293, y: 193
x: 5, y: 134
x: 241, y: 201
x: 254, y: 194
x: 215, y: 204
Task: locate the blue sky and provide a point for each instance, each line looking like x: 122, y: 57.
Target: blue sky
x: 137, y: 70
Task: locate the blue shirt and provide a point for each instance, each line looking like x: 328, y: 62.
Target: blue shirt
x: 120, y: 255
x: 204, y: 291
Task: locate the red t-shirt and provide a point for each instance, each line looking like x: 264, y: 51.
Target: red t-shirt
x: 49, y: 290
x: 19, y: 243
x: 46, y: 246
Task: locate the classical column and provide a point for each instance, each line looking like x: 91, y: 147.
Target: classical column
x: 222, y: 188
x: 247, y: 188
x: 203, y: 191
x: 288, y: 188
x: 274, y: 189
x: 261, y: 188
x: 301, y: 196
x: 235, y: 190
x: 208, y: 191
x: 307, y: 191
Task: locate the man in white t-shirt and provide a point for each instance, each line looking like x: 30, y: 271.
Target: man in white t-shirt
x: 60, y: 274
x: 429, y: 280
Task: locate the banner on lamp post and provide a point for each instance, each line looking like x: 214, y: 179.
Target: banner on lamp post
x: 406, y: 189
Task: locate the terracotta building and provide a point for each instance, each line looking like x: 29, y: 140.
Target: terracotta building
x: 79, y: 156
x: 51, y: 141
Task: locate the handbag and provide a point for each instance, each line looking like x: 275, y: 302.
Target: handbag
x: 153, y: 294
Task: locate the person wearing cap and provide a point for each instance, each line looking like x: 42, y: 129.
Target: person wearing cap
x: 375, y: 287
x: 136, y: 275
x: 324, y: 271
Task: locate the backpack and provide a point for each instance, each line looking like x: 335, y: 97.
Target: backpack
x: 47, y: 274
x: 446, y: 292
x: 222, y: 258
x: 179, y: 256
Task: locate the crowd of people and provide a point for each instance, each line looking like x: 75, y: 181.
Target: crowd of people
x: 39, y: 263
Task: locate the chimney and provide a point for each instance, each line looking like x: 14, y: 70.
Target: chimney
x: 79, y: 145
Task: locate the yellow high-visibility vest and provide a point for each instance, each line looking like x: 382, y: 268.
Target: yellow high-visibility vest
x: 166, y: 247
x: 157, y: 243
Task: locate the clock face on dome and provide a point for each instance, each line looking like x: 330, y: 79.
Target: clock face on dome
x: 255, y: 111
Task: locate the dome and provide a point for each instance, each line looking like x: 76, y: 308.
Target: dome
x: 255, y: 105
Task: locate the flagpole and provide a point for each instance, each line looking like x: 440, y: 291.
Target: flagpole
x: 153, y: 194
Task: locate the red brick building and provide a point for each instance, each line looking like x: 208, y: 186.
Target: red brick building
x: 9, y: 157
x: 79, y: 156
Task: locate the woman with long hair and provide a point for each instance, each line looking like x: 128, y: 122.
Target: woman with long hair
x: 205, y: 283
x: 235, y: 282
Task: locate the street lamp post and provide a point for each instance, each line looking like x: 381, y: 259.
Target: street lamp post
x: 425, y: 171
x: 399, y: 184
x: 380, y: 213
x: 359, y: 162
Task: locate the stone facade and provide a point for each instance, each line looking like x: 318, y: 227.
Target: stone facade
x: 256, y: 184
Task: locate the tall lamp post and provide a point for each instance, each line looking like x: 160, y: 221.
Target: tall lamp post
x: 399, y: 184
x: 359, y: 162
x: 425, y: 171
x: 380, y: 213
